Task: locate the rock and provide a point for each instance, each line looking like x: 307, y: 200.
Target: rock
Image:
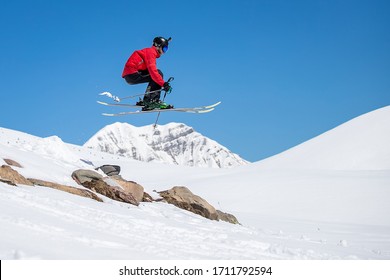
x: 227, y: 217
x: 8, y: 182
x: 72, y: 190
x: 183, y: 198
x: 84, y: 175
x: 110, y: 170
x: 103, y: 188
x: 8, y: 174
x: 114, y: 187
x: 147, y: 197
x: 136, y: 190
x: 12, y: 162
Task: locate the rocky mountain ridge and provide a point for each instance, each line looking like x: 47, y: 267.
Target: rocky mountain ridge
x: 173, y: 143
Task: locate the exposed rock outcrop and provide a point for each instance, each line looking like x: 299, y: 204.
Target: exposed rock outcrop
x: 123, y: 191
x: 147, y: 198
x: 85, y: 175
x: 103, y: 188
x: 115, y: 187
x: 72, y: 190
x: 13, y: 176
x: 183, y: 198
x: 136, y: 190
x: 110, y: 169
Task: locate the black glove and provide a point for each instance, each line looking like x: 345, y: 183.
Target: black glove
x: 167, y: 87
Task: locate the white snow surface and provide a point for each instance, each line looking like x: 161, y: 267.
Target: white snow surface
x: 295, y: 205
x: 174, y: 143
x: 360, y: 144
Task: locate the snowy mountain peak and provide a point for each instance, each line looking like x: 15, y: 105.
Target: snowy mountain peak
x: 174, y: 143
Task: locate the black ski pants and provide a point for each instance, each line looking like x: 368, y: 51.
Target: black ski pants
x: 141, y: 77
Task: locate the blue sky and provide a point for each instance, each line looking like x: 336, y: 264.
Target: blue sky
x: 285, y: 71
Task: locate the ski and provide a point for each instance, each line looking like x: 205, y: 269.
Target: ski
x: 183, y: 110
x: 196, y: 110
x: 118, y: 104
x: 138, y: 106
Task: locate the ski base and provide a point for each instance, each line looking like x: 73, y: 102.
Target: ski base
x: 196, y: 110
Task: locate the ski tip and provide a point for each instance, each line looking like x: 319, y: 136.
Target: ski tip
x: 108, y: 115
x: 205, y: 111
x: 102, y: 103
x: 213, y: 105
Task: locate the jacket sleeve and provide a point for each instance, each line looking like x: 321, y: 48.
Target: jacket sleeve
x: 150, y: 61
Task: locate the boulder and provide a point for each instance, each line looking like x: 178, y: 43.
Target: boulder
x: 183, y: 198
x: 110, y: 170
x: 136, y: 190
x: 85, y: 175
x: 114, y: 193
x: 114, y: 187
x: 8, y: 174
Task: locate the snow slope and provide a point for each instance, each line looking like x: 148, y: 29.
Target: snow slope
x: 297, y: 211
x: 173, y: 143
x: 360, y: 144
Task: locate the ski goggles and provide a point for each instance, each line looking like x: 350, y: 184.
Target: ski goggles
x: 165, y: 49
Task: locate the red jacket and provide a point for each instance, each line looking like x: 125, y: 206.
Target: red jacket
x: 144, y: 59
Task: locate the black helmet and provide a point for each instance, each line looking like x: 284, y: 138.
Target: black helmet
x: 161, y: 42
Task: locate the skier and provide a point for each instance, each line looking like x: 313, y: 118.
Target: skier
x: 141, y: 68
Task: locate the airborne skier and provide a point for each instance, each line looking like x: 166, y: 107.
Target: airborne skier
x: 141, y: 68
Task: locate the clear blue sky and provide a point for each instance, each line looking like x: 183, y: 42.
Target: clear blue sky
x: 285, y: 71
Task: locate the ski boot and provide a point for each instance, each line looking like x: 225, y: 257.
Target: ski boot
x: 156, y: 105
x: 140, y: 103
